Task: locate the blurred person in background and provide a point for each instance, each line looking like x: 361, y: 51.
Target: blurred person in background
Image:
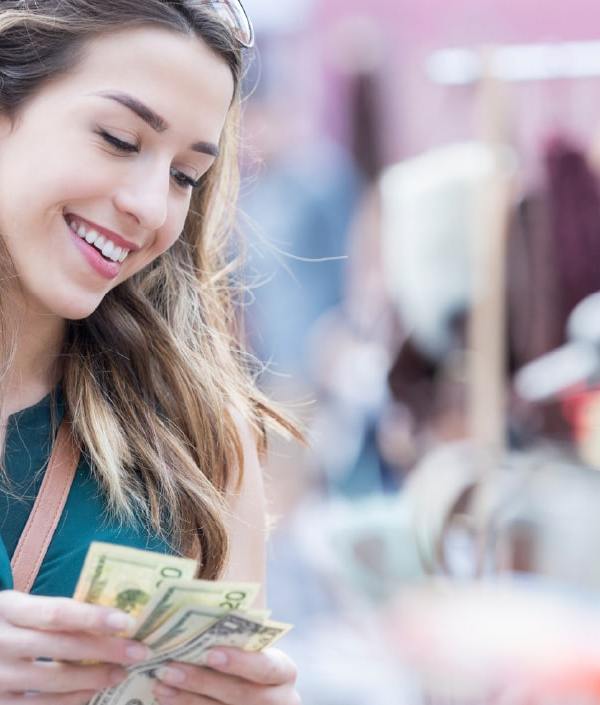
x: 298, y: 201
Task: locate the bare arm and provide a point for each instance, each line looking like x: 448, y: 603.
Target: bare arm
x: 246, y: 523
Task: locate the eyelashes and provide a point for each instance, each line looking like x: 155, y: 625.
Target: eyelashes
x: 128, y: 148
x: 119, y: 144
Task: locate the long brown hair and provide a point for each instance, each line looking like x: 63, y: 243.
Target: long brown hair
x: 151, y: 376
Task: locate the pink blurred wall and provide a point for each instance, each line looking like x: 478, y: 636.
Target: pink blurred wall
x: 466, y: 20
x: 416, y: 114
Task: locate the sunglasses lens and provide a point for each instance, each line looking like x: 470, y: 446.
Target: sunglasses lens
x: 233, y: 14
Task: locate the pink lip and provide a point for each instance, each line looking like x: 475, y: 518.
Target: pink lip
x: 106, y: 269
x: 115, y: 237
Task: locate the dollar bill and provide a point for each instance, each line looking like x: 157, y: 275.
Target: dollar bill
x: 189, y: 623
x: 231, y: 630
x: 271, y: 632
x: 181, y: 627
x: 180, y: 618
x: 136, y: 690
x: 173, y: 596
x: 127, y: 578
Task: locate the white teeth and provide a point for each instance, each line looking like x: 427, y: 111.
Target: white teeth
x: 100, y: 242
x: 107, y: 250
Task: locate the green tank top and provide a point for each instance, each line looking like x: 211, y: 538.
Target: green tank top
x: 84, y: 519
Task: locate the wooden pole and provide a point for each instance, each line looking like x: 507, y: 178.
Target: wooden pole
x: 487, y: 376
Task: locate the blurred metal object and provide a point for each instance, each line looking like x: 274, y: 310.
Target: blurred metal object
x: 530, y: 529
x: 535, y: 513
x: 518, y: 62
x: 577, y: 362
x: 437, y: 493
x: 543, y: 518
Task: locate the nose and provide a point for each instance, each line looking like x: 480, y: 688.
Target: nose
x: 145, y: 197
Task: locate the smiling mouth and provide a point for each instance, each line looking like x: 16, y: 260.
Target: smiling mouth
x: 108, y: 249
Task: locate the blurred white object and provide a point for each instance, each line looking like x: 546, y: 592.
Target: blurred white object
x: 477, y: 642
x: 330, y: 569
x: 557, y: 371
x: 575, y: 363
x: 344, y: 661
x: 584, y: 321
x: 428, y: 222
x: 517, y: 62
x: 366, y: 546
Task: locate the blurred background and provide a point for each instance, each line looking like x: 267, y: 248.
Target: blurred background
x: 421, y: 207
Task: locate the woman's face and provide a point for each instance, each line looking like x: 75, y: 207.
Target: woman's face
x: 163, y: 95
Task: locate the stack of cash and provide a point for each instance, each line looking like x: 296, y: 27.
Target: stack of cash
x: 178, y: 617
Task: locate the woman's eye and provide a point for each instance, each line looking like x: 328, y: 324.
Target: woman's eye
x: 183, y: 180
x: 119, y: 144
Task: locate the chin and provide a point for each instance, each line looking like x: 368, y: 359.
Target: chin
x: 78, y: 313
x: 75, y: 309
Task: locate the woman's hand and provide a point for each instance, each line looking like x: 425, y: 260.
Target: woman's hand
x: 235, y: 677
x: 64, y: 630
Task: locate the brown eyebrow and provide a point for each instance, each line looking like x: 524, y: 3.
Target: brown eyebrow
x: 156, y: 122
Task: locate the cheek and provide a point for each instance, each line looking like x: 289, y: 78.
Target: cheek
x: 168, y: 235
x: 167, y: 238
x: 163, y: 241
x: 62, y: 177
x: 73, y: 184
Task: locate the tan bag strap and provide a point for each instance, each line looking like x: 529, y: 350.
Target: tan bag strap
x: 47, y: 509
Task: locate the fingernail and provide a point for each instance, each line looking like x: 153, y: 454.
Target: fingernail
x: 118, y: 675
x: 119, y: 621
x: 216, y: 658
x: 164, y: 691
x: 171, y: 675
x: 138, y: 652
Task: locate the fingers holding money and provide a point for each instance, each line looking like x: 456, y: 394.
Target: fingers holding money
x: 182, y: 620
x: 34, y: 627
x: 79, y: 698
x: 182, y: 681
x: 64, y: 629
x: 249, y: 678
x: 52, y: 677
x: 60, y: 614
x: 269, y: 667
x: 19, y: 643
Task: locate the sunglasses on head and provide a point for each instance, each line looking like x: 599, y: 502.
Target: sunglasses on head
x: 234, y: 16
